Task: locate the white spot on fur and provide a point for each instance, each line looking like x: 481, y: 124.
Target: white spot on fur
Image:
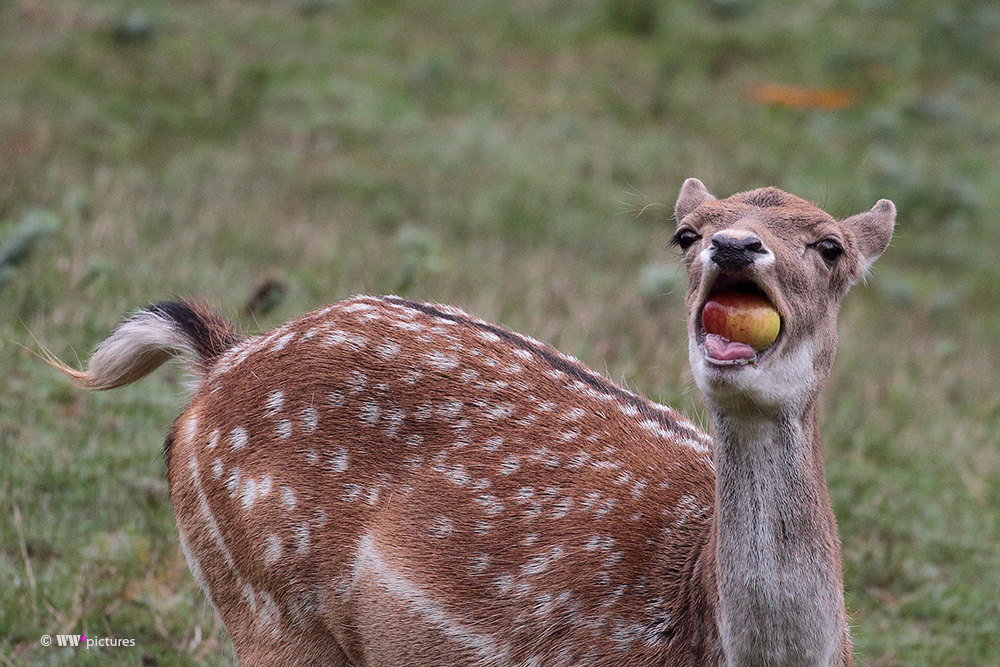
x: 605, y: 507
x: 339, y: 462
x: 527, y: 421
x: 233, y: 482
x: 217, y: 469
x: 283, y: 428
x: 490, y: 503
x: 407, y: 326
x: 441, y: 361
x: 213, y: 441
x: 238, y: 438
x: 356, y: 342
x: 492, y: 444
x: 270, y: 613
x: 273, y: 551
x: 288, y: 498
x: 450, y: 408
x: 590, y: 500
x: 251, y: 598
x: 502, y: 411
x: 551, y: 492
x: 504, y: 582
x: 335, y: 398
x: 628, y: 410
x: 310, y: 419
x: 283, y: 341
x: 488, y: 336
x: 562, y: 508
x: 387, y: 351
x: 356, y: 382
x: 525, y: 493
x: 441, y: 526
x: 479, y: 564
x: 458, y: 475
x: 357, y: 307
x: 369, y: 413
x: 604, y: 543
x: 249, y: 492
x: 274, y: 402
x: 541, y: 562
x: 351, y: 492
x: 302, y: 539
x: 335, y: 337
x: 509, y: 465
x: 394, y: 418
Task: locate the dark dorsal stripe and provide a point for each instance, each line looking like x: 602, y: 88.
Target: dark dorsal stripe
x: 559, y: 362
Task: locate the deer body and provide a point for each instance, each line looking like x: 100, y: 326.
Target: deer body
x: 412, y: 467
x: 385, y: 482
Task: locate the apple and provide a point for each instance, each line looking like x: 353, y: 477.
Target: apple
x: 742, y: 318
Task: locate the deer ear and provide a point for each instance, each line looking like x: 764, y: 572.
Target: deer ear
x: 872, y: 230
x: 693, y: 194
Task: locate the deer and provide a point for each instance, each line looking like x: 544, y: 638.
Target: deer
x: 388, y: 482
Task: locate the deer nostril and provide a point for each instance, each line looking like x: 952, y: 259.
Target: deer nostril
x: 735, y: 252
x: 751, y: 243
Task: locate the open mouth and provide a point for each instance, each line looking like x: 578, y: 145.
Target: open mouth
x: 738, y: 324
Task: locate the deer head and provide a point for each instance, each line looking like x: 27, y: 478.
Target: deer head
x: 800, y: 258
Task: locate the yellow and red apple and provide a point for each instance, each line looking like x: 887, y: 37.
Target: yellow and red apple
x: 742, y: 318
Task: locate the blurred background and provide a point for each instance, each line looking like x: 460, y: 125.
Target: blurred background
x: 519, y: 159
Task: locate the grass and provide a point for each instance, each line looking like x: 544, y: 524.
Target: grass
x: 519, y: 160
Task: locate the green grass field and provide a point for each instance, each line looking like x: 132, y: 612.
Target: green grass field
x: 519, y: 160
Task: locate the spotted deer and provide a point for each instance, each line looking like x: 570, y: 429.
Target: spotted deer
x: 387, y: 482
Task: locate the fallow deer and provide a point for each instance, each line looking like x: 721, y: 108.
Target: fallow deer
x: 387, y: 482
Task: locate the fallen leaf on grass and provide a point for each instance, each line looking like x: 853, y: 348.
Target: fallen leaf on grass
x: 799, y: 97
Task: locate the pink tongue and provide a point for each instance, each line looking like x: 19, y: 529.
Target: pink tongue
x: 723, y: 349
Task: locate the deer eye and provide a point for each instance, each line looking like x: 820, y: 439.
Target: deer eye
x: 830, y: 249
x: 685, y: 238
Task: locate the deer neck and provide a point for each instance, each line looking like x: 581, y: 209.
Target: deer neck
x: 775, y: 541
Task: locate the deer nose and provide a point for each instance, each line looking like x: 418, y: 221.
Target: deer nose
x: 736, y: 252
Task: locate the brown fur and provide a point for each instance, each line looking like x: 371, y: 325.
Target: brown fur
x: 572, y: 478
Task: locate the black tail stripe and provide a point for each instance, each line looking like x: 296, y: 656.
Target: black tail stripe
x: 209, y: 333
x: 575, y: 371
